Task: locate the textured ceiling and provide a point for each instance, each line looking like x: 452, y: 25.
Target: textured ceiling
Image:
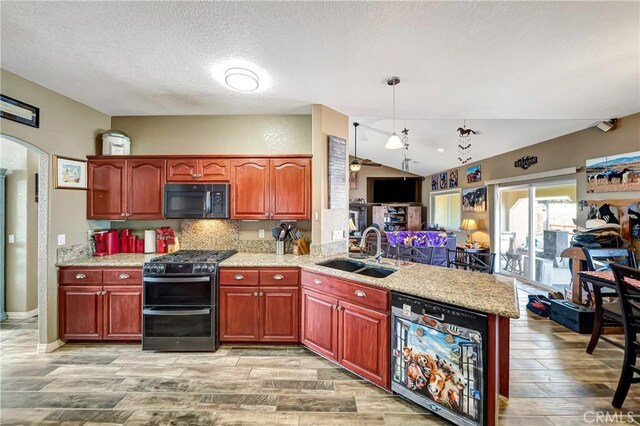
x: 475, y: 60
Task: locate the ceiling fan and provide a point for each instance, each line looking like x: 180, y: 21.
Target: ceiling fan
x: 357, y: 163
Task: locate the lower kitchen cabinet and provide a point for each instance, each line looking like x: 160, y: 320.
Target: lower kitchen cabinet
x: 80, y: 312
x: 320, y: 323
x: 279, y: 314
x: 239, y: 314
x: 122, y: 312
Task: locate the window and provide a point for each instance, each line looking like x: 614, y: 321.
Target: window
x: 446, y: 208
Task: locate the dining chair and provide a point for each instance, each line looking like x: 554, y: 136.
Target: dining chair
x: 479, y: 262
x: 628, y: 286
x: 408, y: 253
x: 457, y: 258
x: 607, y: 315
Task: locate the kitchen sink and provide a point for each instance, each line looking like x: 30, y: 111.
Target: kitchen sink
x: 359, y: 268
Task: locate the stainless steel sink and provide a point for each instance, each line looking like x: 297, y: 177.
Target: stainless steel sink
x: 359, y: 268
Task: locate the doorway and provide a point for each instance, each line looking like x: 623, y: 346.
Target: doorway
x: 535, y: 224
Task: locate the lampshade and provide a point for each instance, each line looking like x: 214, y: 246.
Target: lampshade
x: 469, y: 225
x: 352, y: 225
x: 394, y: 142
x: 354, y: 166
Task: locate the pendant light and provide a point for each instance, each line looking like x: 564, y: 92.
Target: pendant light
x: 394, y: 141
x: 355, y: 165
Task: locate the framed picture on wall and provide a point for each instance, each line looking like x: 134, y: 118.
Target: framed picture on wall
x: 69, y: 173
x: 443, y: 180
x: 453, y: 178
x: 474, y: 199
x: 474, y: 174
x: 434, y: 182
x: 15, y: 110
x: 615, y: 173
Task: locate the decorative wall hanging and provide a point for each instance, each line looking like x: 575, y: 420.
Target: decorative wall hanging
x: 526, y: 162
x: 337, y: 165
x: 474, y: 200
x: 443, y: 180
x: 405, y: 151
x: 453, y: 178
x: 474, y: 174
x: 15, y: 110
x: 464, y: 143
x: 69, y: 173
x: 615, y: 173
x: 434, y: 182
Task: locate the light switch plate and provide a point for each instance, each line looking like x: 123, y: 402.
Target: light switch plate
x: 11, y: 239
x: 261, y: 233
x: 337, y: 235
x: 62, y: 239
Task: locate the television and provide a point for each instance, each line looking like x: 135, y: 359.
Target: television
x: 394, y: 190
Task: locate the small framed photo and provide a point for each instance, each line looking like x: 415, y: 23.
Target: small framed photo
x: 453, y: 178
x: 15, y: 110
x: 443, y: 180
x: 434, y: 182
x: 69, y: 173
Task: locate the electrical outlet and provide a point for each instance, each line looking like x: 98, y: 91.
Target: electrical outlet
x: 11, y: 239
x: 261, y: 233
x: 337, y: 235
x: 89, y: 234
x: 62, y: 239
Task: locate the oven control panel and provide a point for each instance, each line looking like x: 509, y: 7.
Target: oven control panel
x: 179, y: 268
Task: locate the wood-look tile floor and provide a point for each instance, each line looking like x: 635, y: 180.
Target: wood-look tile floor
x: 553, y: 382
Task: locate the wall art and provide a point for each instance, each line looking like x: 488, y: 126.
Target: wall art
x: 474, y: 199
x: 614, y: 173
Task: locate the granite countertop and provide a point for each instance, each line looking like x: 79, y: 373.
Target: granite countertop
x: 492, y: 294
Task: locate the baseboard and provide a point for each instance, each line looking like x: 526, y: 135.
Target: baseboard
x: 44, y: 348
x: 23, y: 315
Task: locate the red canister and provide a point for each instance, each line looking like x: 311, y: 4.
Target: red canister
x: 132, y: 243
x: 161, y: 246
x: 124, y: 240
x: 140, y: 245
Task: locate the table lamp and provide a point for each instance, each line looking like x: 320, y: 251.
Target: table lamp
x: 469, y: 225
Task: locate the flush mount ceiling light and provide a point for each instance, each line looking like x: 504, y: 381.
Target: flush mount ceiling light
x: 440, y: 150
x: 394, y: 141
x: 242, y: 79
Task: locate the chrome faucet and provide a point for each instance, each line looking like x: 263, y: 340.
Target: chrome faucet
x: 363, y: 242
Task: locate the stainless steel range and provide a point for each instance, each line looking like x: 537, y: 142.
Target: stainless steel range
x: 180, y: 292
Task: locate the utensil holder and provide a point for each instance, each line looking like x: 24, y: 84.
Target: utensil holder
x: 279, y: 247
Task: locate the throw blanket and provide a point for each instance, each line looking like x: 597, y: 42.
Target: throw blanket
x: 417, y: 238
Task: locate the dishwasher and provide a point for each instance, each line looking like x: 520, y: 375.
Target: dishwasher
x: 438, y: 358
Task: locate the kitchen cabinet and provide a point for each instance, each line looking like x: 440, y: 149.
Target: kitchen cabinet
x: 271, y: 189
x: 348, y: 323
x: 197, y: 170
x: 259, y: 305
x: 97, y: 304
x: 125, y: 189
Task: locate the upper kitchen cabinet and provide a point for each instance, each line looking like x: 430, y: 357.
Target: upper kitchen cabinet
x: 291, y: 188
x: 271, y: 188
x: 125, y: 189
x: 197, y: 170
x: 250, y: 187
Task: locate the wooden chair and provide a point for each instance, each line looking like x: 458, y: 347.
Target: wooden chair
x: 627, y: 284
x: 411, y: 254
x: 607, y: 315
x: 479, y: 262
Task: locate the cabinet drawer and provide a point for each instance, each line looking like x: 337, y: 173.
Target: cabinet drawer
x: 239, y: 276
x: 350, y: 291
x: 288, y: 277
x: 122, y: 276
x: 80, y: 276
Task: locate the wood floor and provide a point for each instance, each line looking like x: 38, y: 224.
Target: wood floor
x: 553, y: 382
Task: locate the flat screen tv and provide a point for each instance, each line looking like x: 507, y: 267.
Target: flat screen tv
x: 394, y: 190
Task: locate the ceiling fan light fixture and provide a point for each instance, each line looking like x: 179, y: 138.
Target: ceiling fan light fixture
x: 355, y: 166
x: 242, y: 79
x: 394, y: 142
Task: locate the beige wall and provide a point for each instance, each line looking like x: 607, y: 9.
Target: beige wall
x: 572, y: 150
x: 325, y: 122
x: 67, y: 128
x: 225, y: 134
x: 366, y: 172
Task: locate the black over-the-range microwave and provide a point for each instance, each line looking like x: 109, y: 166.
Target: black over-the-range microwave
x: 196, y: 201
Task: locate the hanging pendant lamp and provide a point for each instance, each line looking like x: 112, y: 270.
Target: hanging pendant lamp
x: 355, y: 165
x: 394, y: 141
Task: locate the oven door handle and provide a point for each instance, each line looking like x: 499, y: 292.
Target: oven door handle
x: 176, y: 279
x: 182, y: 312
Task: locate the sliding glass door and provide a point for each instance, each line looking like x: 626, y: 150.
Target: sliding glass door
x: 535, y: 225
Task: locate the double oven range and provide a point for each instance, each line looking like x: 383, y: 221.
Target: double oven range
x: 179, y: 294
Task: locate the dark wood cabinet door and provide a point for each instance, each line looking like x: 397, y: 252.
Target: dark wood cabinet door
x: 144, y: 188
x: 291, y: 189
x: 364, y: 342
x: 250, y: 189
x: 239, y: 314
x: 80, y: 312
x: 182, y: 170
x: 279, y: 314
x: 319, y: 328
x: 213, y: 170
x: 122, y: 312
x: 106, y: 194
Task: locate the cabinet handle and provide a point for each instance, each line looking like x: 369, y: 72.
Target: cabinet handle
x: 261, y: 294
x: 278, y: 277
x: 238, y: 277
x: 80, y: 276
x: 361, y: 293
x: 104, y: 292
x: 123, y: 214
x: 334, y: 306
x: 128, y: 214
x: 255, y: 294
x: 124, y: 276
x: 199, y: 174
x: 339, y: 308
x: 98, y: 293
x: 317, y: 281
x: 195, y: 175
